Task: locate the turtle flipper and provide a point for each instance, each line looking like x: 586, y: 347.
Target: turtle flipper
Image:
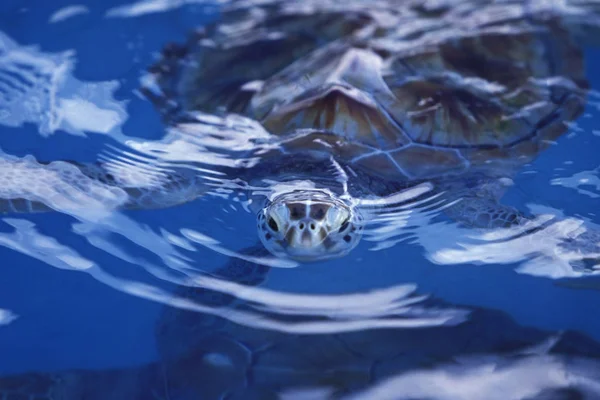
x: 587, y: 246
x: 580, y: 247
x: 483, y: 212
x: 31, y: 186
x: 133, y: 384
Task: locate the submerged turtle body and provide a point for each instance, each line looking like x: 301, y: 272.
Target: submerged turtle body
x: 242, y: 362
x: 209, y: 358
x: 399, y: 91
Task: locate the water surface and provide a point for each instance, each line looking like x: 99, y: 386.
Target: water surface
x: 419, y: 303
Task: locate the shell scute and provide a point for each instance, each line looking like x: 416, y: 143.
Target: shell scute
x: 481, y: 89
x: 245, y: 45
x: 380, y: 164
x: 245, y: 62
x: 310, y: 359
x: 439, y: 161
x: 325, y: 142
x: 346, y: 112
x: 444, y: 113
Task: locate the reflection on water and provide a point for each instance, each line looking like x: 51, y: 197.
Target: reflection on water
x: 584, y: 182
x: 68, y: 12
x: 363, y: 131
x: 39, y: 88
x: 539, y: 377
x: 143, y: 7
x: 6, y: 317
x: 547, y: 246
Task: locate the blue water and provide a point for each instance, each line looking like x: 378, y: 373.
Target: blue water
x: 69, y: 320
x: 66, y: 318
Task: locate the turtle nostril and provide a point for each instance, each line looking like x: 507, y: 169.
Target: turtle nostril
x: 273, y: 225
x: 312, y: 226
x: 301, y: 226
x: 344, y: 225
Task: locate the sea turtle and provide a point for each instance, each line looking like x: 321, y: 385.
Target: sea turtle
x: 360, y: 100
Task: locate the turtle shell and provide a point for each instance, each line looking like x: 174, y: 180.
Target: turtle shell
x: 401, y: 89
x: 229, y: 360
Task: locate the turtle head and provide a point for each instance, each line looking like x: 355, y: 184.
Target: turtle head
x: 309, y: 225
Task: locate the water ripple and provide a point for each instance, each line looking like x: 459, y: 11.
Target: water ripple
x: 394, y: 307
x: 543, y: 376
x: 6, y: 317
x: 383, y: 330
x: 68, y: 12
x: 38, y: 87
x: 584, y: 182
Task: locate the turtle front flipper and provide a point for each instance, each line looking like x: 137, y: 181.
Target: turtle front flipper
x: 577, y: 244
x: 478, y: 212
x: 133, y: 384
x: 31, y: 186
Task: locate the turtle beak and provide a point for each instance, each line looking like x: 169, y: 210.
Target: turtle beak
x: 305, y: 234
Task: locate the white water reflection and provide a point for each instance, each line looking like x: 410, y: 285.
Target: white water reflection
x: 214, y: 245
x: 586, y: 183
x: 6, y: 317
x: 38, y: 87
x: 206, y: 139
x: 493, y: 378
x: 549, y: 245
x: 395, y: 307
x: 143, y: 7
x: 68, y: 12
x: 27, y: 240
x: 395, y: 199
x: 398, y: 300
x: 544, y: 251
x: 58, y: 185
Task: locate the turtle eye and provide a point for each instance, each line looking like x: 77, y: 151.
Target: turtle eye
x: 344, y: 225
x: 273, y: 225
